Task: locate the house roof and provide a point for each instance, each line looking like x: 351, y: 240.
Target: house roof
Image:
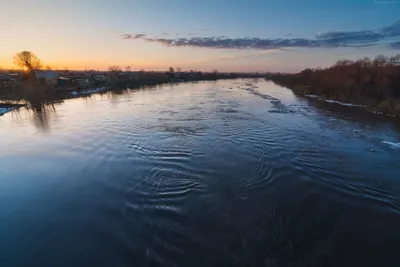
x: 45, y: 74
x: 4, y: 77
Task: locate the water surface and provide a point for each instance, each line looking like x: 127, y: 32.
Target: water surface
x: 228, y: 173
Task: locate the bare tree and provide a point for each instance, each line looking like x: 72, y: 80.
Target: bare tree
x: 27, y: 61
x: 343, y: 63
x: 364, y: 62
x: 114, y: 69
x: 395, y: 60
x: 380, y: 61
x: 48, y: 67
x: 128, y: 68
x: 178, y: 69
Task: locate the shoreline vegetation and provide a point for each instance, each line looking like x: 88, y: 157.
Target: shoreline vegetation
x: 371, y: 83
x: 34, y: 93
x: 37, y: 86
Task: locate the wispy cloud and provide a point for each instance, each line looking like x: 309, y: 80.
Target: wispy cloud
x: 395, y: 45
x: 325, y: 40
x: 349, y: 38
x: 128, y: 36
x: 392, y: 30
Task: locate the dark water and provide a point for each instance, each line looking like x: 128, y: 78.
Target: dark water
x: 233, y: 173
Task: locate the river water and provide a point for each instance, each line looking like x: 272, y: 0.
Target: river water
x: 228, y: 173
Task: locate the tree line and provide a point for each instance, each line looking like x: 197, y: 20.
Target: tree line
x: 374, y: 83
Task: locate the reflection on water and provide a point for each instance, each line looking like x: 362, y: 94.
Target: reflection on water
x: 41, y: 116
x: 228, y: 173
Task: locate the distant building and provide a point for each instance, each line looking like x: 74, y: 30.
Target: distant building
x: 64, y: 81
x: 73, y: 83
x: 8, y: 80
x: 135, y: 76
x: 47, y: 76
x: 5, y: 77
x: 82, y: 83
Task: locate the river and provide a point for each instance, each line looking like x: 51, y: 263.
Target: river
x: 227, y: 173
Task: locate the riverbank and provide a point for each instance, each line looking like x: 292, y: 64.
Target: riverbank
x: 33, y: 93
x: 389, y: 106
x: 371, y: 84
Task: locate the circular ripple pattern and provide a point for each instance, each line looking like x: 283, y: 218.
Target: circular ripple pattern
x: 229, y: 173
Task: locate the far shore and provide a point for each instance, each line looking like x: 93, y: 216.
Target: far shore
x: 36, y: 92
x: 373, y: 84
x: 389, y: 107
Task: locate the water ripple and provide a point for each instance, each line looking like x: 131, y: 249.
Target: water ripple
x: 227, y: 173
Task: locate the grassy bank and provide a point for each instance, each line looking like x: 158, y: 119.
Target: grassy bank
x: 374, y: 84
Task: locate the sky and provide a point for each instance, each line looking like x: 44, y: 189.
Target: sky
x: 227, y: 35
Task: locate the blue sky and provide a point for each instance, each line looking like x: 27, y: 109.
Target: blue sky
x: 252, y: 35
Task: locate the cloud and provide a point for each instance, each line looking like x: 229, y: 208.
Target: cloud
x: 395, y: 45
x: 349, y: 38
x: 392, y: 30
x: 127, y: 36
x: 325, y: 40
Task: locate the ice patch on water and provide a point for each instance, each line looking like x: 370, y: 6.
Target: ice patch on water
x: 343, y: 104
x: 392, y: 144
x: 335, y: 101
x: 312, y: 96
x: 4, y: 111
x: 88, y: 92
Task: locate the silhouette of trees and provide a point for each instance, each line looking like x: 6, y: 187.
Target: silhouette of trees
x: 380, y: 61
x: 171, y: 72
x: 27, y: 61
x: 114, y: 69
x: 374, y: 83
x: 395, y: 60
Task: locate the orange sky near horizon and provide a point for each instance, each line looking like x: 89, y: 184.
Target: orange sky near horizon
x: 158, y: 58
x: 86, y: 34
